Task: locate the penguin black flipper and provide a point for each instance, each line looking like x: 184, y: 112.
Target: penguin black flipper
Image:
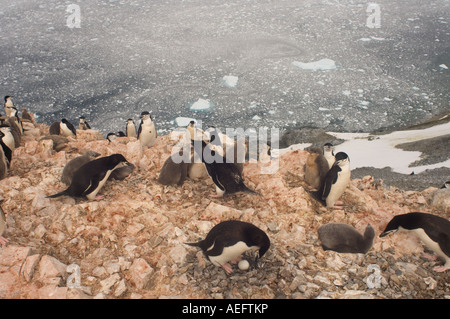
x: 94, y: 182
x: 63, y: 193
x: 6, y: 150
x: 330, y: 178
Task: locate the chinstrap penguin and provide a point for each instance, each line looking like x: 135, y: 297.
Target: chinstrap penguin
x: 147, y: 132
x: 344, y: 238
x: 225, y: 176
x: 8, y: 105
x: 90, y: 178
x: 433, y: 231
x: 226, y: 241
x: 67, y: 129
x: 6, y: 150
x: 335, y: 182
x: 328, y: 153
x: 131, y: 128
x: 83, y: 125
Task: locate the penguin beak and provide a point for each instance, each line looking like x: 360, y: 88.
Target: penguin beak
x: 385, y: 233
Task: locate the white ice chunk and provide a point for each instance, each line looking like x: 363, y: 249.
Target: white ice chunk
x: 183, y: 121
x: 324, y: 64
x: 256, y: 118
x: 230, y: 81
x: 201, y: 105
x: 443, y: 66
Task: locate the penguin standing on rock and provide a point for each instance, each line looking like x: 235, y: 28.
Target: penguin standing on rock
x: 328, y: 153
x: 227, y: 240
x: 8, y: 105
x: 335, y: 182
x: 131, y: 128
x: 432, y: 230
x: 343, y: 238
x: 90, y: 178
x: 6, y: 151
x: 226, y: 176
x: 147, y: 132
x: 83, y: 125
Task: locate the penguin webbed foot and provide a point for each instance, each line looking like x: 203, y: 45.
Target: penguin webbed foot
x: 430, y: 256
x: 442, y: 268
x: 227, y: 267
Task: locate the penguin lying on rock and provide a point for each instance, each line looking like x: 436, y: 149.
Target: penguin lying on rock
x: 433, y: 231
x: 227, y: 240
x: 90, y: 178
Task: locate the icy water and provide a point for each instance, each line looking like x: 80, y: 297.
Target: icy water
x: 250, y: 63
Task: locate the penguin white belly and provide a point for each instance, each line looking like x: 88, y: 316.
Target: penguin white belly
x: 434, y: 246
x: 65, y: 130
x: 229, y: 253
x: 338, y: 188
x: 148, y: 135
x: 94, y: 193
x: 8, y: 139
x: 131, y: 130
x: 219, y: 192
x: 330, y: 159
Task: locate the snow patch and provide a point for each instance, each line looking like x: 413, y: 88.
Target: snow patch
x: 201, y: 105
x: 230, y: 81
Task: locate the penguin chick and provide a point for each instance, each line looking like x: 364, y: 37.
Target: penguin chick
x: 343, y: 238
x: 131, y: 128
x: 74, y: 164
x: 27, y: 116
x: 432, y: 230
x: 15, y: 131
x: 173, y: 173
x: 83, y: 125
x: 90, y: 178
x: 226, y: 241
x: 54, y: 128
x: 316, y: 168
x: 59, y: 142
x: 122, y: 172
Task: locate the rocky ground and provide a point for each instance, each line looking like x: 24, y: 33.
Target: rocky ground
x: 131, y: 244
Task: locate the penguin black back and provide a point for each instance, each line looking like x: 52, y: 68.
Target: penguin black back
x: 88, y: 178
x: 229, y: 233
x: 436, y: 227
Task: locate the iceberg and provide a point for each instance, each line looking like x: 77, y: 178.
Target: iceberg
x: 230, y: 81
x: 324, y: 64
x: 201, y: 105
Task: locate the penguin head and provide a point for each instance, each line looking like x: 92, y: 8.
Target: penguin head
x: 8, y: 98
x: 146, y: 115
x: 263, y: 242
x: 397, y: 223
x: 446, y: 184
x: 82, y: 119
x: 130, y: 121
x: 64, y: 121
x: 118, y: 160
x: 111, y: 137
x: 369, y: 233
x: 342, y: 159
x: 328, y: 148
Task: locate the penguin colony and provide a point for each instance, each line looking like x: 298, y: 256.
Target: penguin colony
x: 327, y: 174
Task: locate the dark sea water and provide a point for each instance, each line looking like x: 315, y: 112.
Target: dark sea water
x: 162, y: 56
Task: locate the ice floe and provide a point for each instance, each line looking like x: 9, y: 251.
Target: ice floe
x: 201, y: 105
x: 183, y: 121
x: 324, y: 64
x: 230, y: 81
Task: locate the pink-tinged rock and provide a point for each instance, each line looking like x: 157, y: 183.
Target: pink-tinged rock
x: 29, y: 267
x: 14, y: 256
x: 219, y: 212
x: 53, y: 292
x: 50, y: 267
x: 141, y: 273
x: 89, y: 135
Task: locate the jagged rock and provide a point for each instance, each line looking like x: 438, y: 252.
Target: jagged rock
x: 141, y: 273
